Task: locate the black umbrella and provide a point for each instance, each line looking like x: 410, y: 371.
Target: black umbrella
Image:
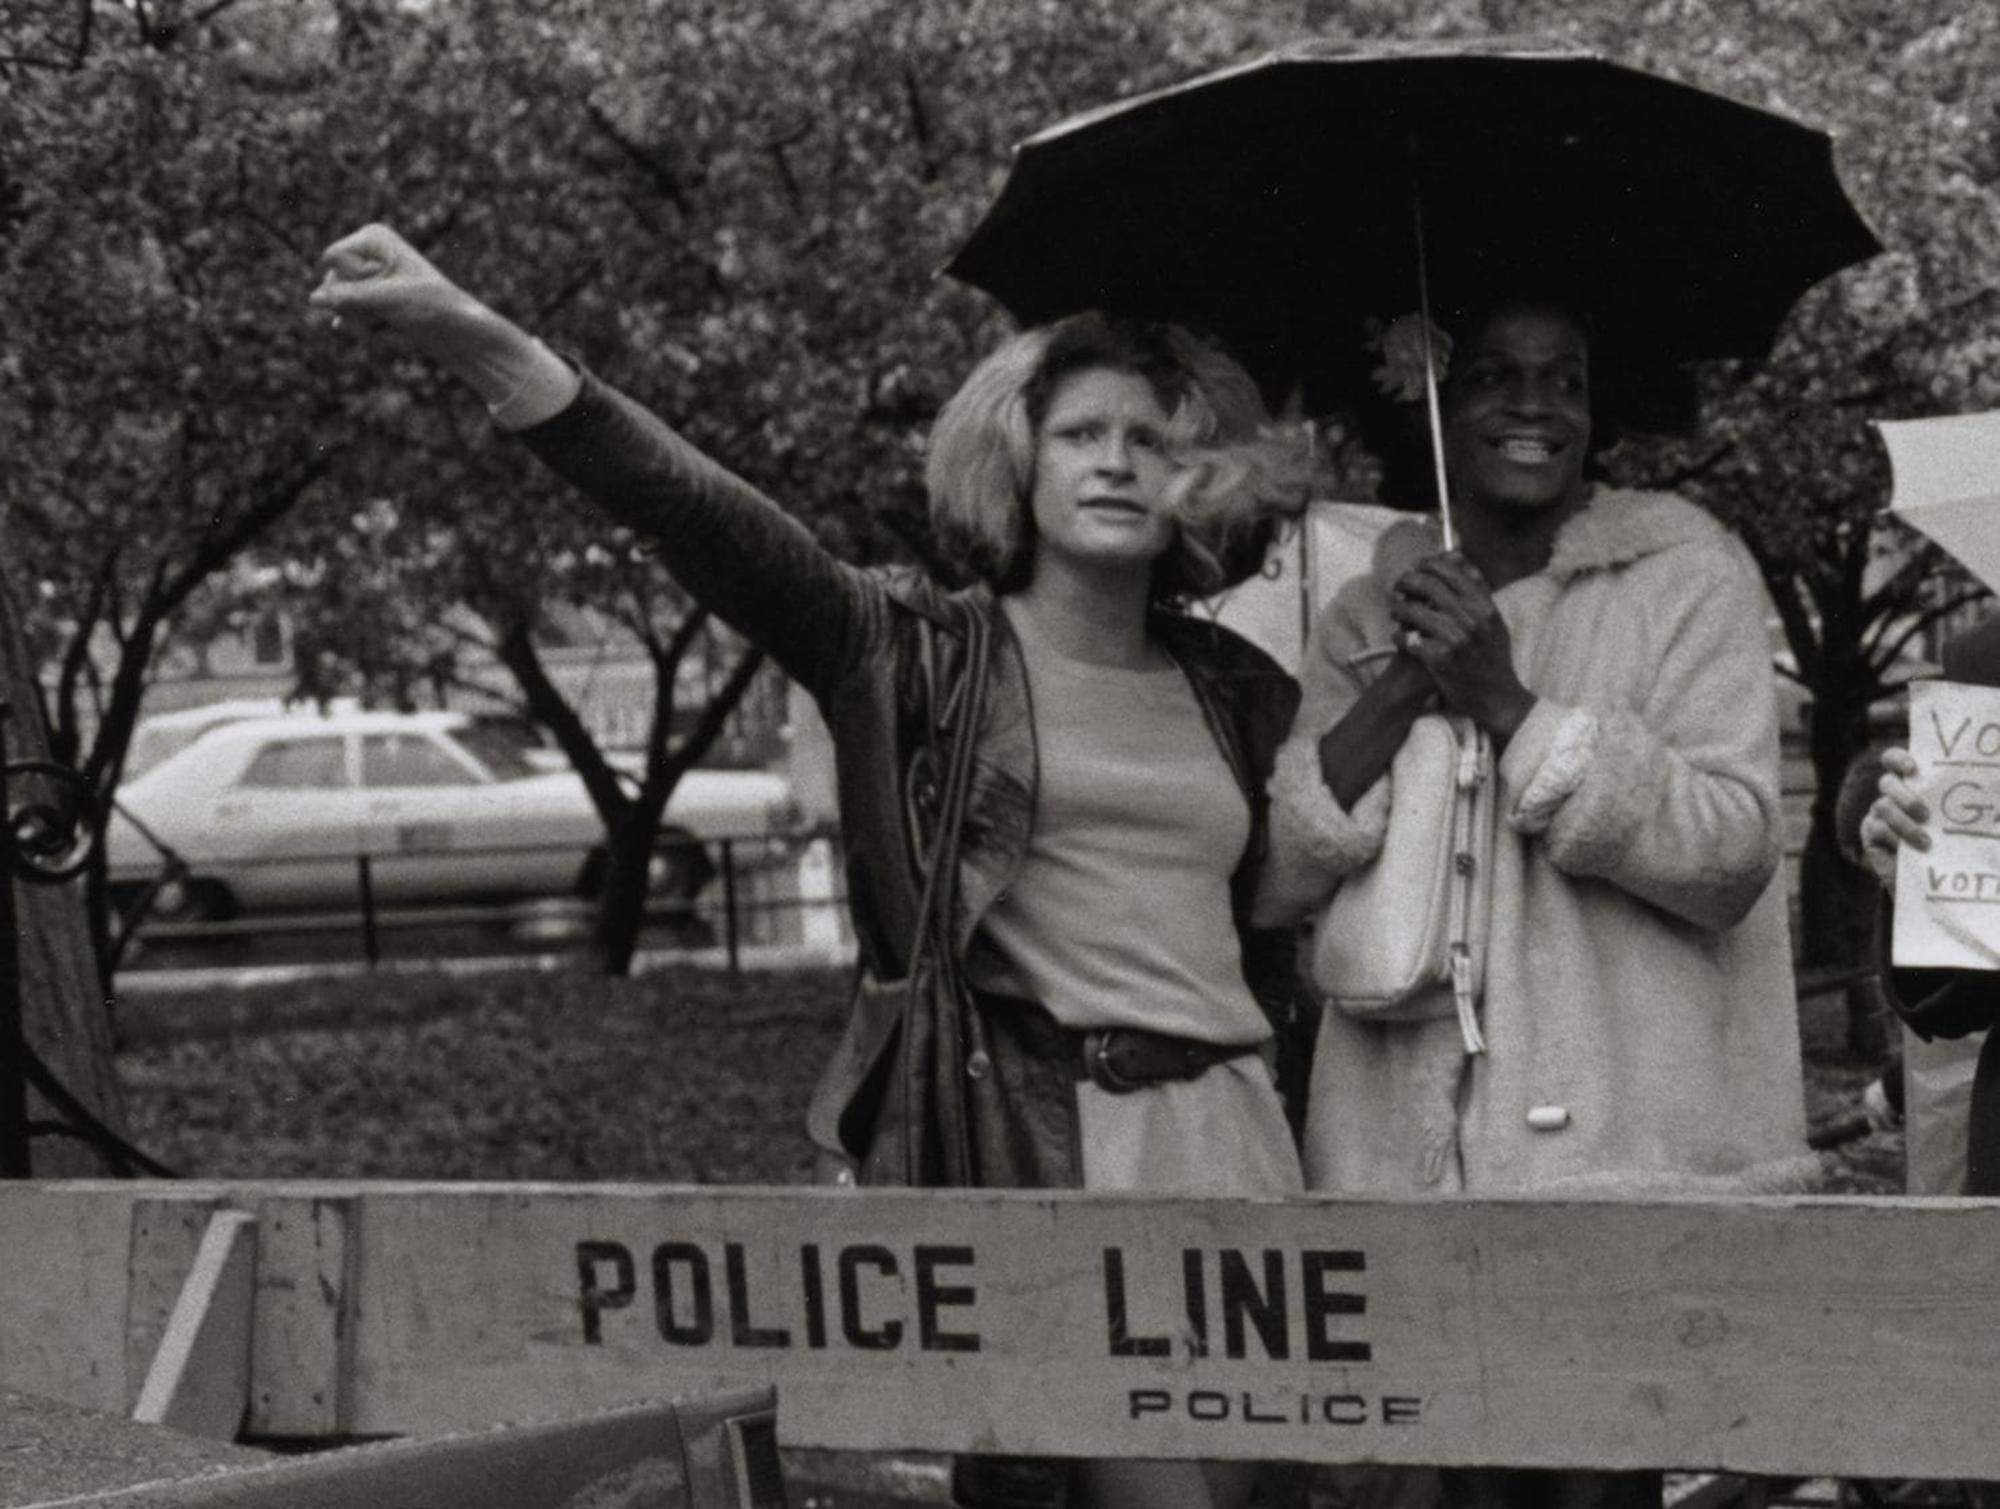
x: 1272, y: 204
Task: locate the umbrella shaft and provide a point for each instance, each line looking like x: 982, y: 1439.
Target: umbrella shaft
x: 1431, y: 405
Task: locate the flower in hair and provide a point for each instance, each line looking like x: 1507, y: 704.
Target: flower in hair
x: 1400, y: 344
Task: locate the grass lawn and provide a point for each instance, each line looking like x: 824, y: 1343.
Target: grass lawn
x: 679, y: 1076
x: 684, y: 1076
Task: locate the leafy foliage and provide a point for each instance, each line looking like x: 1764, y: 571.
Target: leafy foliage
x: 735, y: 212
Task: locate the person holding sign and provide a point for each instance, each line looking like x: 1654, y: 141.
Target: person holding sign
x: 1052, y: 841
x: 1943, y: 978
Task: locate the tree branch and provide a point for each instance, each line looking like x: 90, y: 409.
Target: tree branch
x: 241, y: 205
x: 920, y: 126
x: 1889, y: 653
x: 165, y: 594
x: 715, y: 716
x: 662, y: 177
x: 589, y: 273
x: 64, y: 729
x: 666, y: 660
x: 218, y: 547
x: 1901, y: 586
x: 550, y: 708
x: 1798, y: 623
x: 794, y: 195
x: 32, y: 60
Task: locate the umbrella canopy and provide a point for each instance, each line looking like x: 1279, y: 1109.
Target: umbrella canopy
x: 1947, y: 484
x: 1271, y: 204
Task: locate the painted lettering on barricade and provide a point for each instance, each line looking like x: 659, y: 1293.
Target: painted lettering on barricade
x: 1183, y: 1309
x: 1259, y: 1301
x: 1948, y: 899
x: 1581, y: 1332
x: 866, y: 1305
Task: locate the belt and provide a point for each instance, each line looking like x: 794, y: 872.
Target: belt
x: 1117, y: 1059
x: 1121, y: 1059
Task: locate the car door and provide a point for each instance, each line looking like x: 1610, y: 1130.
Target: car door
x: 421, y: 798
x: 285, y: 830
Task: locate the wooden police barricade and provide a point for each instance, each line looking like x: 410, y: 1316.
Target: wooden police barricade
x: 1812, y: 1336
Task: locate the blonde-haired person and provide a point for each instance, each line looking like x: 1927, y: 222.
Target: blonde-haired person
x: 1089, y: 475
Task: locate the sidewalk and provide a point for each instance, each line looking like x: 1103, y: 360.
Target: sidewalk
x: 750, y: 957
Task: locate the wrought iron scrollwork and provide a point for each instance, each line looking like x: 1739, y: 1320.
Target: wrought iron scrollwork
x: 48, y: 835
x: 52, y: 832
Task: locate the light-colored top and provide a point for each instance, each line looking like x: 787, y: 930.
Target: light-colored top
x: 1120, y: 912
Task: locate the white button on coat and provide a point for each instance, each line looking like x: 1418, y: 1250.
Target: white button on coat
x: 1548, y: 1118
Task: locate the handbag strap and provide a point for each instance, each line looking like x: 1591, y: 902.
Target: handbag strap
x: 958, y: 722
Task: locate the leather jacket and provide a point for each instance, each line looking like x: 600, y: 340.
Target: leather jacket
x: 853, y: 638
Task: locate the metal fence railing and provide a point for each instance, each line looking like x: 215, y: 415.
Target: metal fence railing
x: 765, y: 888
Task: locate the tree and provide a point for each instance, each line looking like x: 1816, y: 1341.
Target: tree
x: 162, y: 410
x: 401, y: 607
x: 734, y: 212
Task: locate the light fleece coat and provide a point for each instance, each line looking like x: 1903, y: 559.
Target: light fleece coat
x: 1640, y: 975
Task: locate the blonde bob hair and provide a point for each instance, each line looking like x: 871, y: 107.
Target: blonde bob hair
x: 1238, y: 473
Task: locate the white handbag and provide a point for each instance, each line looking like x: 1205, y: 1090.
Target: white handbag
x: 1404, y: 938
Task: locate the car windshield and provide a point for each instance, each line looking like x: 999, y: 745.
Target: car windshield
x: 498, y: 749
x: 151, y: 746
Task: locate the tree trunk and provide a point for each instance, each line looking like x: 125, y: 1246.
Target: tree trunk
x: 1837, y: 898
x: 631, y: 823
x: 621, y: 905
x: 65, y: 1014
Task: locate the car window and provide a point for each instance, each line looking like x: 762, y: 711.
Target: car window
x: 500, y: 747
x: 151, y: 746
x: 289, y: 764
x: 409, y: 760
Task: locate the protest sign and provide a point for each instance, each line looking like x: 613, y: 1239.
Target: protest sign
x: 1948, y: 897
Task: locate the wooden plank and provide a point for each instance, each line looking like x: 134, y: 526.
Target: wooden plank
x: 729, y: 1449
x: 1808, y: 1337
x: 64, y: 1290
x: 301, y: 1337
x: 199, y: 1381
x: 630, y: 1456
x: 166, y: 1234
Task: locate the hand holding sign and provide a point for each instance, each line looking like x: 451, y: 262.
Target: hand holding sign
x: 1896, y: 818
x: 1948, y: 871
